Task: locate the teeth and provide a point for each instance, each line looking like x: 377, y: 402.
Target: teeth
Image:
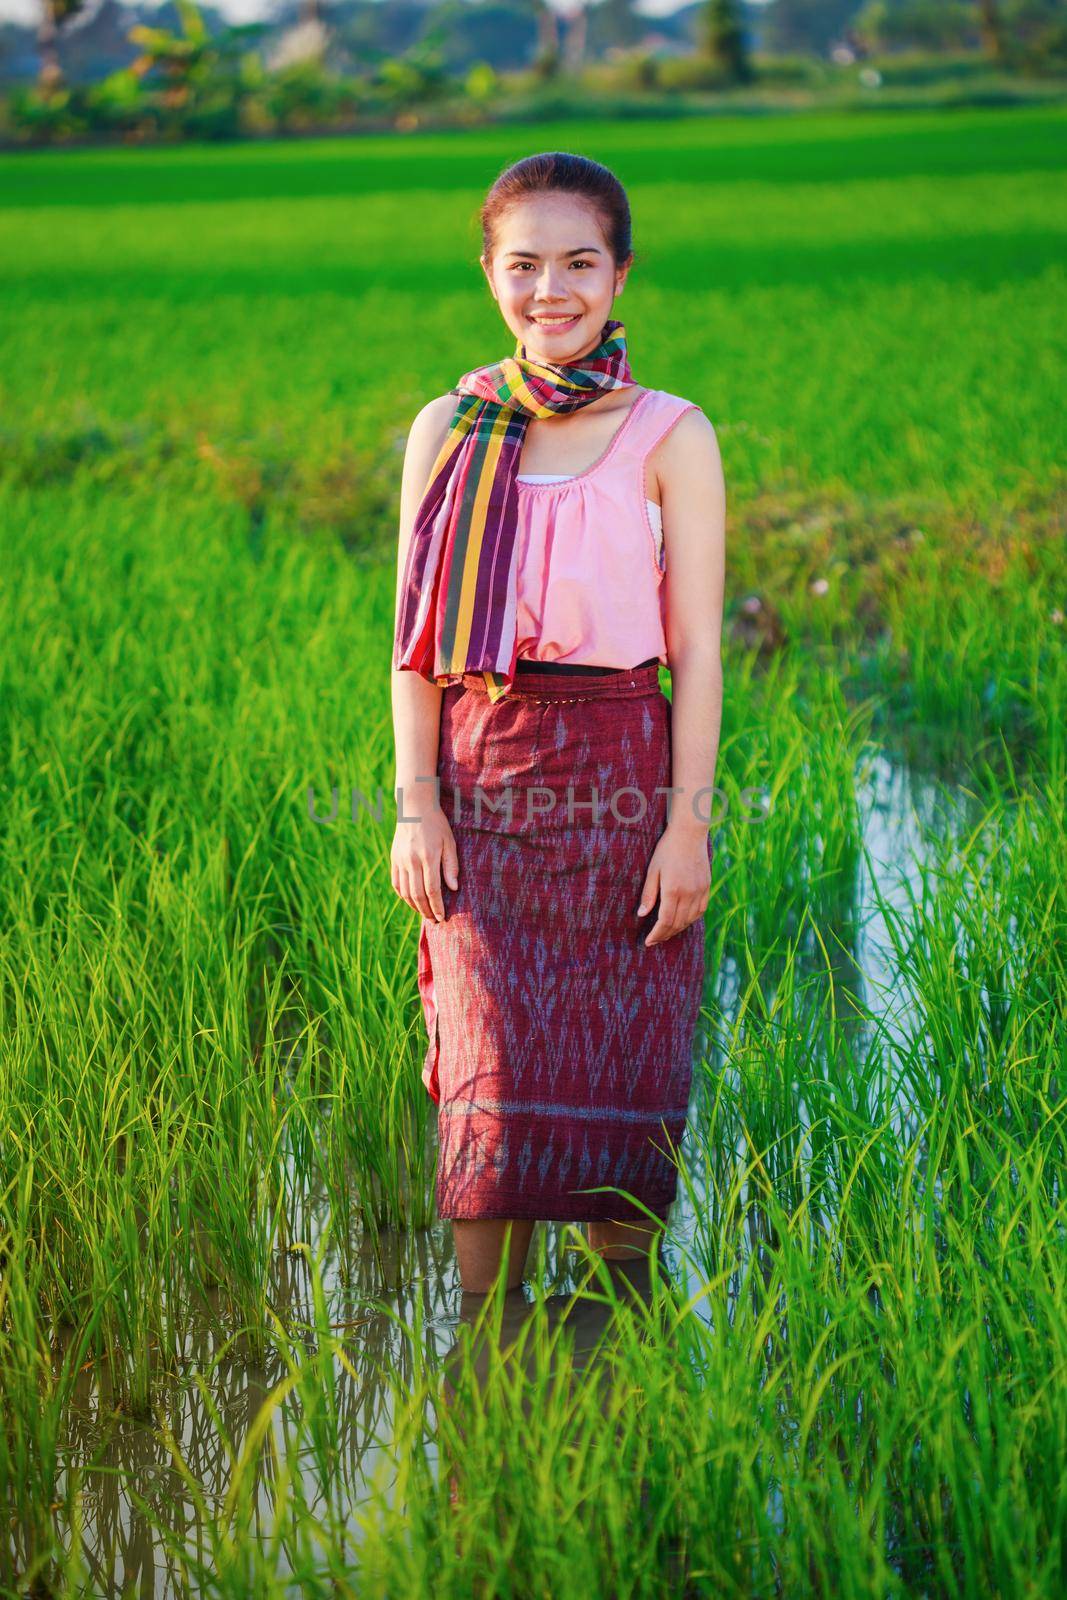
x: 550, y: 320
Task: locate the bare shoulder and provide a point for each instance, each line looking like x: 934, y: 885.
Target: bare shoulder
x: 693, y: 434
x: 431, y: 424
x: 426, y: 436
x: 687, y: 459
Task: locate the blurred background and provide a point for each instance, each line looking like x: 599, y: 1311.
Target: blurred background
x: 72, y: 67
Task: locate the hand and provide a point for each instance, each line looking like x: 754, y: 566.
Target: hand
x: 679, y: 871
x: 419, y: 852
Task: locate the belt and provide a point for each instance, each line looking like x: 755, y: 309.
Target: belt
x: 525, y: 664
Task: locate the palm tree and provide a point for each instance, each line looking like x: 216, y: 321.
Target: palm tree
x: 991, y: 30
x: 724, y: 39
x: 54, y: 15
x: 177, y: 55
x: 547, y: 37
x: 574, y: 40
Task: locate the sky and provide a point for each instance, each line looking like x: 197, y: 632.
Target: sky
x: 250, y: 10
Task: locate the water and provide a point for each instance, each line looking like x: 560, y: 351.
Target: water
x: 124, y: 1460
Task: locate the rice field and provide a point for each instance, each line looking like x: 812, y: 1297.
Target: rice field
x: 235, y: 1359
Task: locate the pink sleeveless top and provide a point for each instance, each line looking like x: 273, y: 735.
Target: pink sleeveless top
x: 589, y: 551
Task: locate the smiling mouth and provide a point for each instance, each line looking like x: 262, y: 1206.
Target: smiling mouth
x: 554, y: 321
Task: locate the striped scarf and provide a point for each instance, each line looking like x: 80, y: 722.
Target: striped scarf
x: 457, y: 604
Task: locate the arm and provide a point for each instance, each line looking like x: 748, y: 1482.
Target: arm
x: 423, y: 842
x: 688, y: 470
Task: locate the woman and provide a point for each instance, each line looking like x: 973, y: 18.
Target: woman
x: 562, y: 533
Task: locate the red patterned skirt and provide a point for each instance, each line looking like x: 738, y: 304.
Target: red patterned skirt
x: 560, y: 1047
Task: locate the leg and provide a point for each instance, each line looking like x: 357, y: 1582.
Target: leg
x: 479, y: 1248
x: 624, y: 1241
x: 480, y: 1245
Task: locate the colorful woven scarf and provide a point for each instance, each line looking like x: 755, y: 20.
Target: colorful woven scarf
x: 457, y: 603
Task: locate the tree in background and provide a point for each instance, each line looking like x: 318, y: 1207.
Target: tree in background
x: 946, y: 24
x: 548, y: 49
x: 574, y: 38
x: 801, y: 26
x: 615, y: 24
x: 990, y: 29
x: 724, y: 39
x: 54, y: 15
x: 176, y: 56
x: 914, y: 24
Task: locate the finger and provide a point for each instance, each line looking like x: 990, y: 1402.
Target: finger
x: 648, y: 892
x: 418, y: 889
x: 666, y: 922
x: 700, y: 902
x: 689, y: 911
x: 399, y: 880
x: 432, y: 875
x: 450, y: 864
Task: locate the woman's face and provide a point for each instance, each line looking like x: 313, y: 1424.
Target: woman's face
x: 551, y: 260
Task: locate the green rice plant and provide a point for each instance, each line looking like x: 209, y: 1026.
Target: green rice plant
x: 979, y: 946
x: 788, y: 840
x: 34, y: 1395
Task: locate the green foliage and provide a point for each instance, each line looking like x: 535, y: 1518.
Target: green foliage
x: 196, y: 84
x: 789, y: 70
x: 724, y: 41
x: 120, y: 102
x: 417, y: 78
x: 692, y: 73
x: 640, y: 70
x: 305, y: 95
x: 176, y: 55
x: 807, y: 26
x: 46, y: 115
x: 926, y: 69
x: 482, y: 82
x: 926, y: 24
x: 1039, y: 31
x: 1031, y: 33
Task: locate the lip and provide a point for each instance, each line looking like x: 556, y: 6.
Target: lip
x: 553, y: 327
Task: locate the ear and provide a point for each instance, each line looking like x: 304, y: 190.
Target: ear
x: 488, y: 275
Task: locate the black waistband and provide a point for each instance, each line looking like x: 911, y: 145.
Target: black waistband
x: 525, y: 664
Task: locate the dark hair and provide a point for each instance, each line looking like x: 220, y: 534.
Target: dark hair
x: 557, y: 171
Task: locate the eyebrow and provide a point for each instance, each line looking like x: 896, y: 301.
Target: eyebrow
x: 583, y: 250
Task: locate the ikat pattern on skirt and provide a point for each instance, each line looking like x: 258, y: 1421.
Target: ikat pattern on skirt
x: 560, y: 1047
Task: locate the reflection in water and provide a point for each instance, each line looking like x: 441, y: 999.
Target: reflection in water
x: 141, y: 1509
x: 570, y: 1339
x: 211, y: 1415
x: 586, y: 1314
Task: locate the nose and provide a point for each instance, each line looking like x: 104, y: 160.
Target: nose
x: 551, y: 284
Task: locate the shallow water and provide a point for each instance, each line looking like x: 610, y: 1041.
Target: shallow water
x: 901, y: 814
